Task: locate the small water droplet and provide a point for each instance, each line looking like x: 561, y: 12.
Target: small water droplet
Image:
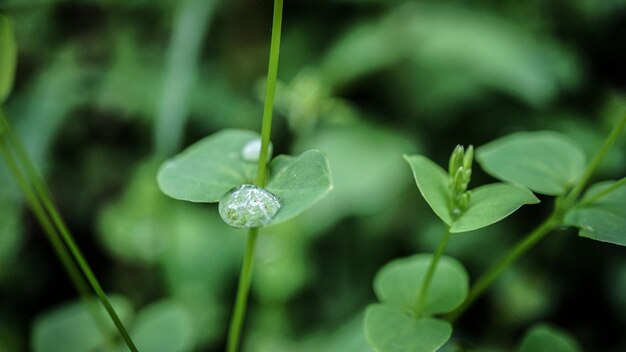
x: 252, y: 150
x: 249, y: 206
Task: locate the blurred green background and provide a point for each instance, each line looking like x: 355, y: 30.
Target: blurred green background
x: 107, y: 89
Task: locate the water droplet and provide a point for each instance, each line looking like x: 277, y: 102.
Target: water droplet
x: 252, y: 150
x: 249, y: 206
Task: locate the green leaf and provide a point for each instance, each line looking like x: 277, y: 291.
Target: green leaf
x: 432, y: 182
x: 546, y: 162
x: 164, y: 327
x: 546, y: 338
x: 602, y: 214
x: 71, y: 327
x: 299, y: 182
x: 398, y: 283
x: 388, y: 329
x: 208, y: 169
x: 8, y: 58
x: 490, y: 204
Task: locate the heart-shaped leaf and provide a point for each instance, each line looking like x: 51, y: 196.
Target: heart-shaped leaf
x: 299, y: 182
x: 490, y: 204
x: 208, y: 169
x: 602, y: 213
x: 398, y: 283
x: 8, y: 58
x: 72, y: 328
x: 388, y: 329
x: 432, y: 182
x: 546, y: 338
x: 546, y: 162
x: 215, y: 166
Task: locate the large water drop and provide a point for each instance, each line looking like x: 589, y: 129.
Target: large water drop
x: 252, y: 151
x: 249, y: 206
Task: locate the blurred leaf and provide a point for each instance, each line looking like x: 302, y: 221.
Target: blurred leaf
x: 163, y: 327
x: 490, y: 204
x: 547, y: 338
x: 362, y: 157
x: 210, y: 168
x: 299, y: 182
x: 284, y: 264
x: 432, y: 182
x: 602, y: 213
x: 546, y: 162
x: 398, y: 283
x: 45, y: 103
x: 71, y: 327
x: 388, y: 329
x: 137, y: 227
x: 8, y: 58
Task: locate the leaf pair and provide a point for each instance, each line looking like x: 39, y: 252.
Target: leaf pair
x: 214, y: 166
x: 551, y: 163
x: 394, y: 324
x: 488, y: 204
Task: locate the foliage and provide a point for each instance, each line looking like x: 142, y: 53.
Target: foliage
x: 535, y: 86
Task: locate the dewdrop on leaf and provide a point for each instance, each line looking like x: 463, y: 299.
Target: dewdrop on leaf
x: 249, y: 206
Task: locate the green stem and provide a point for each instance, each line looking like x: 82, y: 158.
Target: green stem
x: 421, y: 298
x: 239, y: 312
x: 494, y: 272
x: 270, y: 92
x: 43, y: 194
x: 595, y: 162
x: 603, y: 193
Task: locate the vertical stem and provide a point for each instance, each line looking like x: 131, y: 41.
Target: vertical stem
x: 239, y: 312
x: 421, y: 298
x: 270, y: 92
x: 494, y: 272
x: 41, y: 195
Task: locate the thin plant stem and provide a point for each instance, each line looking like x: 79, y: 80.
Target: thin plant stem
x: 595, y: 162
x: 44, y: 195
x: 421, y: 298
x: 602, y: 193
x: 496, y: 270
x: 270, y: 92
x: 239, y: 312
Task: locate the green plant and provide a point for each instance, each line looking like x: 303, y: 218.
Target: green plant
x: 233, y: 167
x: 413, y: 290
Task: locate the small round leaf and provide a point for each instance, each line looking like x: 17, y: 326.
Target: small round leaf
x: 398, y: 283
x: 546, y: 338
x: 546, y: 162
x: 388, y: 329
x: 210, y: 168
x: 299, y: 182
x: 432, y: 182
x: 604, y: 217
